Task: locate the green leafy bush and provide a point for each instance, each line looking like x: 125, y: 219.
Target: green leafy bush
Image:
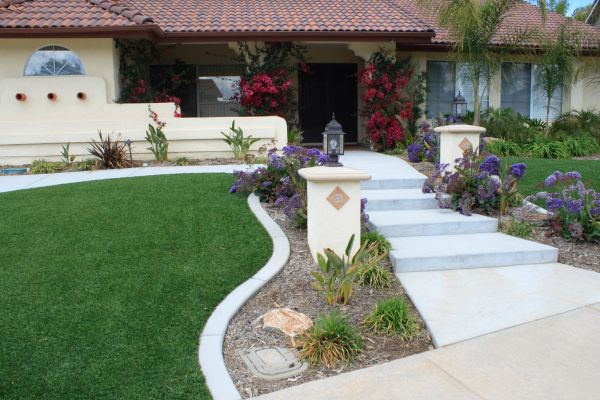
x: 295, y: 136
x: 336, y: 274
x: 66, y: 157
x: 111, y: 153
x: 542, y: 147
x: 45, y: 167
x: 581, y: 146
x: 521, y: 229
x: 578, y: 122
x: 374, y: 275
x: 240, y: 145
x: 181, y: 161
x: 330, y: 341
x: 393, y: 317
x: 86, y: 165
x: 159, y: 145
x: 382, y: 245
x: 506, y: 124
x: 503, y: 148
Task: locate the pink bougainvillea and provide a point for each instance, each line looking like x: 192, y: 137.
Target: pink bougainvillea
x: 266, y: 93
x: 385, y: 99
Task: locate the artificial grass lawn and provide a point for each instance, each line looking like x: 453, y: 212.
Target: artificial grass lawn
x: 106, y: 285
x: 538, y: 170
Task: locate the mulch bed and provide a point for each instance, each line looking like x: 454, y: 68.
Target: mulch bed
x: 291, y: 288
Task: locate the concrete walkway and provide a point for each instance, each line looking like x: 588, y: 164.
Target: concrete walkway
x: 556, y: 358
x: 11, y: 183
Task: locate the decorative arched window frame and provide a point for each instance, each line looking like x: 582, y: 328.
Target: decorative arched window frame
x: 54, y: 60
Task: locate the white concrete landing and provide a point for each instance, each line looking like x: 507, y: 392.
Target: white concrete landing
x: 462, y: 304
x: 419, y: 253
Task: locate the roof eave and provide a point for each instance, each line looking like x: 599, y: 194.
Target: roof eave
x: 362, y: 36
x: 146, y: 31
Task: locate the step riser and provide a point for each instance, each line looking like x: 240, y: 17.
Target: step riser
x: 378, y: 184
x: 436, y: 229
x: 419, y: 264
x: 401, y: 204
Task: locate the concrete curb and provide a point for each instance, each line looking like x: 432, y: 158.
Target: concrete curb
x: 210, y: 354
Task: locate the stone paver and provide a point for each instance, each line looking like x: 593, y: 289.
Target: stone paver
x: 550, y: 359
x: 466, y: 303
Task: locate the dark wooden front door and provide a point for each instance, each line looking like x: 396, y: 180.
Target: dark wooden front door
x: 328, y: 89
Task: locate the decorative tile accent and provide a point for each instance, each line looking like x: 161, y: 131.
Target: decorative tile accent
x: 338, y: 198
x: 465, y: 145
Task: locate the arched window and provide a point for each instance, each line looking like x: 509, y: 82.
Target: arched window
x: 54, y: 60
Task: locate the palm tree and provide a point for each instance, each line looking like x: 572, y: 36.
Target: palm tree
x: 558, y: 65
x: 472, y: 26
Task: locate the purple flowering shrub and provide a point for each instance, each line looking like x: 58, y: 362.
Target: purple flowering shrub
x: 575, y: 210
x: 479, y: 182
x: 279, y: 182
x: 425, y: 147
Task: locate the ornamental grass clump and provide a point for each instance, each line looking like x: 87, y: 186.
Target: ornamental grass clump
x: 374, y: 275
x: 392, y: 317
x: 575, y: 210
x: 382, y: 245
x: 331, y: 341
x: 279, y: 181
x: 479, y: 182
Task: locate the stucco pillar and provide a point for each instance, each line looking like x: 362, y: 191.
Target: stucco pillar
x: 333, y: 208
x: 455, y: 139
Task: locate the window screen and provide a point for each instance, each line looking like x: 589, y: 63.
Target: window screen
x: 516, y: 87
x: 464, y: 85
x: 441, y: 83
x: 539, y: 100
x: 217, y: 85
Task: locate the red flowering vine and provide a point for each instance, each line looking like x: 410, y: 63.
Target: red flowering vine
x: 266, y: 93
x: 385, y: 99
x: 266, y: 87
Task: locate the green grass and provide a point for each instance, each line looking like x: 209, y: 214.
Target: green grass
x: 538, y: 170
x: 107, y: 285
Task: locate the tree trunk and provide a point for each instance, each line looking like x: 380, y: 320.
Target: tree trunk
x: 547, y: 130
x: 476, y: 111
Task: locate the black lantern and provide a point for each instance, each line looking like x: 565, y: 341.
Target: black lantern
x: 459, y: 107
x: 333, y: 142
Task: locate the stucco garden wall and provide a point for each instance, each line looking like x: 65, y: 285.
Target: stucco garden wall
x: 35, y: 127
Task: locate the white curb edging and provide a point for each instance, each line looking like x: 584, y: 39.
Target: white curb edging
x: 210, y: 353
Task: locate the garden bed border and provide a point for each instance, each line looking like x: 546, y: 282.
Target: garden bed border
x: 210, y: 353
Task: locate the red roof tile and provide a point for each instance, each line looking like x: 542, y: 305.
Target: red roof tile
x: 280, y: 16
x: 66, y: 14
x: 245, y: 17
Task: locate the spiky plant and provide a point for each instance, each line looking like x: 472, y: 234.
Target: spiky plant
x: 374, y: 275
x: 110, y: 152
x: 383, y: 246
x: 331, y: 341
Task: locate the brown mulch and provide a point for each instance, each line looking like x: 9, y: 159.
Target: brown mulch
x: 291, y: 288
x: 426, y: 168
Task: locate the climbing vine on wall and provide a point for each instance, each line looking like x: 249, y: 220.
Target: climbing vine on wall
x: 386, y: 99
x: 266, y: 88
x: 138, y: 85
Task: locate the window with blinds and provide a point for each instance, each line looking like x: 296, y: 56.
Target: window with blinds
x: 521, y: 92
x: 444, y: 80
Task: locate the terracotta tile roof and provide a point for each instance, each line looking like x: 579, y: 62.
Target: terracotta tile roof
x: 67, y: 14
x: 212, y: 18
x: 280, y: 16
x: 523, y: 15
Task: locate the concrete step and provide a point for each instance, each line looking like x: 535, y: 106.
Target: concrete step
x: 411, y: 182
x: 428, y: 223
x: 423, y: 253
x: 398, y: 199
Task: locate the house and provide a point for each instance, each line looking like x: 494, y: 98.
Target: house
x: 69, y: 48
